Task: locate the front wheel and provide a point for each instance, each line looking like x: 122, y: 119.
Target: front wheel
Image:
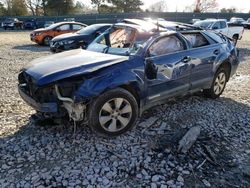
x: 46, y: 40
x: 235, y: 39
x: 218, y: 85
x: 113, y: 113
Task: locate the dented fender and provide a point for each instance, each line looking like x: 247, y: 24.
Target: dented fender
x: 99, y: 83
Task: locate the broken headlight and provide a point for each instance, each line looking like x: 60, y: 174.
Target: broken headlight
x: 66, y: 42
x: 69, y: 86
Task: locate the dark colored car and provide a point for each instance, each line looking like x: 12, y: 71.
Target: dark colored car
x: 12, y: 23
x: 75, y: 40
x: 30, y: 24
x: 125, y: 71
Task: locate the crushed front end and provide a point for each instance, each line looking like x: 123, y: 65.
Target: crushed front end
x: 54, y: 100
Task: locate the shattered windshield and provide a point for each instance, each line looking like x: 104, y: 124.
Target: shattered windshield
x: 118, y: 41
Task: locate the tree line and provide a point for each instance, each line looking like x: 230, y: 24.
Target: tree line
x: 70, y: 7
x: 65, y: 7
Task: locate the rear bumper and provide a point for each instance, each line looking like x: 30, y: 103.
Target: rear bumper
x: 41, y: 107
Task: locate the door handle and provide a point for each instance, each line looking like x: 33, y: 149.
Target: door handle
x: 186, y: 59
x: 216, y: 52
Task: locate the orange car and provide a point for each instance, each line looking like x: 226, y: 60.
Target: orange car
x: 43, y: 36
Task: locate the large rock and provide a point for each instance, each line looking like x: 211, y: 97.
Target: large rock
x: 189, y: 139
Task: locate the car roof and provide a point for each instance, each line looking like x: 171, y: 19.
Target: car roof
x: 134, y: 26
x: 60, y: 23
x: 102, y: 24
x: 143, y: 24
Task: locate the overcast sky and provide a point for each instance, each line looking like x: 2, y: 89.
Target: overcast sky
x: 241, y: 5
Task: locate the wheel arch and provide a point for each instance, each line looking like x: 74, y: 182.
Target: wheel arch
x: 236, y: 35
x: 227, y: 66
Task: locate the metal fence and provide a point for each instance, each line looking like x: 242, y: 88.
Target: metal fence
x: 115, y: 17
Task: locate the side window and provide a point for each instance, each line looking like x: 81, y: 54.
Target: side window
x: 196, y: 39
x: 216, y: 25
x: 223, y: 25
x: 77, y: 27
x: 166, y: 45
x: 64, y: 27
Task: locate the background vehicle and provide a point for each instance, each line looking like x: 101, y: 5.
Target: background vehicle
x: 69, y: 19
x: 246, y: 24
x: 44, y: 35
x: 12, y: 23
x: 133, y: 71
x: 48, y: 23
x: 238, y: 21
x: 220, y: 25
x: 30, y: 24
x: 79, y: 39
x: 194, y: 20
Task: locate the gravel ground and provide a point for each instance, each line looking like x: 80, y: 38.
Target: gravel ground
x: 53, y: 156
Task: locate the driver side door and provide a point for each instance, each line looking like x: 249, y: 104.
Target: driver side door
x: 167, y: 68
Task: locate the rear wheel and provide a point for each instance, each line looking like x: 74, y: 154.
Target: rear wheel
x: 46, y: 40
x: 113, y: 112
x: 218, y: 85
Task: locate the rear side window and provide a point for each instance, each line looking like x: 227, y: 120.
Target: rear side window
x: 216, y: 37
x: 76, y: 27
x: 196, y: 39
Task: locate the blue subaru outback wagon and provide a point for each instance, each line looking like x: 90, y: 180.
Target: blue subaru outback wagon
x: 125, y: 71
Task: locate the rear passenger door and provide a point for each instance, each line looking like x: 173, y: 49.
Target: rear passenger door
x: 203, y: 54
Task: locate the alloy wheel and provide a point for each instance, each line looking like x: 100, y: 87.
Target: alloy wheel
x: 115, y: 114
x: 219, y: 83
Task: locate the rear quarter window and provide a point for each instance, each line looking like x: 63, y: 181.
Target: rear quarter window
x: 196, y: 39
x: 215, y: 37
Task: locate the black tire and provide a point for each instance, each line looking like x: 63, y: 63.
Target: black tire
x: 235, y: 39
x: 96, y: 110
x: 4, y: 28
x: 212, y: 92
x: 46, y: 40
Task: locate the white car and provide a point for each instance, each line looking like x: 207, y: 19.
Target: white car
x: 221, y: 26
x: 237, y: 20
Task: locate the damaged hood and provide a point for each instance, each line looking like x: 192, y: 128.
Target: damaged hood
x: 71, y: 63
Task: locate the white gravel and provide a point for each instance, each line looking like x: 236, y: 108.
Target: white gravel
x: 50, y: 156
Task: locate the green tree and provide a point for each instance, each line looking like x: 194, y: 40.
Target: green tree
x: 228, y: 10
x: 59, y: 7
x: 98, y: 4
x: 205, y: 5
x: 127, y: 5
x: 2, y: 9
x: 15, y: 8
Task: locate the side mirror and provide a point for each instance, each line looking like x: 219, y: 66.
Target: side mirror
x: 215, y: 27
x: 150, y: 69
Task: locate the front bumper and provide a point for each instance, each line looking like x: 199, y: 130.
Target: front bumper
x: 41, y: 107
x: 56, y: 47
